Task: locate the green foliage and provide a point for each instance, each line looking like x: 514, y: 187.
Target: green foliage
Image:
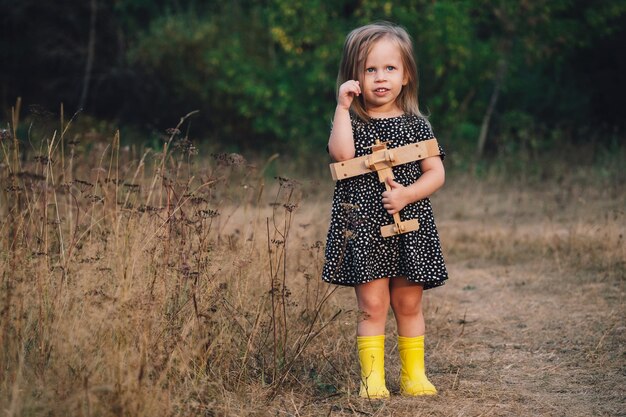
x: 256, y: 71
x: 263, y: 74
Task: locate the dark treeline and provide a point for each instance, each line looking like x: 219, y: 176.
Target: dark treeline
x: 496, y: 76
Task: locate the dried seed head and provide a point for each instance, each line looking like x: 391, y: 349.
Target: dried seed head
x: 94, y: 198
x: 43, y: 160
x: 207, y: 214
x: 290, y: 207
x: 5, y: 135
x: 186, y: 146
x: 133, y: 188
x: 317, y: 245
x: 230, y: 159
x: 148, y: 209
x: 83, y: 186
x: 29, y: 175
x: 82, y: 183
x: 197, y: 200
x: 287, y: 182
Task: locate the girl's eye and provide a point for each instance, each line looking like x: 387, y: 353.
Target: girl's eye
x: 370, y: 70
x: 390, y: 68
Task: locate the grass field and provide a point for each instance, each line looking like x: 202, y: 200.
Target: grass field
x: 144, y: 285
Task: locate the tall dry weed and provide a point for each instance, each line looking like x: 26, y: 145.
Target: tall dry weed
x: 153, y: 286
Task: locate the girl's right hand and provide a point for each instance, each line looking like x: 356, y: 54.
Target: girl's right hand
x: 347, y: 92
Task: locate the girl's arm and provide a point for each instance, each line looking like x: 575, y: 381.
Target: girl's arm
x: 432, y: 178
x: 341, y: 141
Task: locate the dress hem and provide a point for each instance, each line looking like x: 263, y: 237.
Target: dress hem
x: 427, y: 285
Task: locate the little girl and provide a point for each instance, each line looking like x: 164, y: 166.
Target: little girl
x: 377, y: 99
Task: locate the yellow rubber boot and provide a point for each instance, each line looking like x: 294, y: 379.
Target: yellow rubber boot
x: 372, y: 359
x: 413, y: 380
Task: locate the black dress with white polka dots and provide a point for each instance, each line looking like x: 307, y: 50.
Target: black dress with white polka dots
x: 356, y: 252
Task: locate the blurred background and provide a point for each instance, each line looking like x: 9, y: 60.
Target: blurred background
x: 501, y: 80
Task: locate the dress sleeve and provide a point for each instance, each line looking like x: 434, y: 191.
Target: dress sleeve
x: 425, y: 132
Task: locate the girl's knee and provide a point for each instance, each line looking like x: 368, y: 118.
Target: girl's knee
x: 374, y: 306
x: 406, y: 306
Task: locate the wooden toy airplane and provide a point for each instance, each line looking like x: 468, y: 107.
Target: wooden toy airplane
x: 381, y: 160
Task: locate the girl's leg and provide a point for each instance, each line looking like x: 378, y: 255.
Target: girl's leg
x: 373, y: 301
x: 406, y: 301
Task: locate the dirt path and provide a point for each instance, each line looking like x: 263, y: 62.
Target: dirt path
x: 532, y: 320
x: 527, y: 342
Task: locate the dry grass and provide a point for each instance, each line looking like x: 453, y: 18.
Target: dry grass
x: 147, y: 285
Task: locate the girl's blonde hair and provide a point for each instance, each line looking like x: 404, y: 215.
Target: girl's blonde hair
x: 358, y: 45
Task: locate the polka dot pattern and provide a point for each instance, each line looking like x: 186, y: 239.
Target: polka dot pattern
x: 356, y: 252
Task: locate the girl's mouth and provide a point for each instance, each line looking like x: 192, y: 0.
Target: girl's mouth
x: 381, y: 90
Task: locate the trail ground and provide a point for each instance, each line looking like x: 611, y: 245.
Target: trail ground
x: 202, y: 296
x: 531, y: 321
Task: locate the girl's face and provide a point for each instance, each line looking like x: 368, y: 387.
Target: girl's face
x: 383, y: 79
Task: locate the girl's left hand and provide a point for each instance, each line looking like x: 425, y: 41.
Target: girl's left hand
x: 395, y: 199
